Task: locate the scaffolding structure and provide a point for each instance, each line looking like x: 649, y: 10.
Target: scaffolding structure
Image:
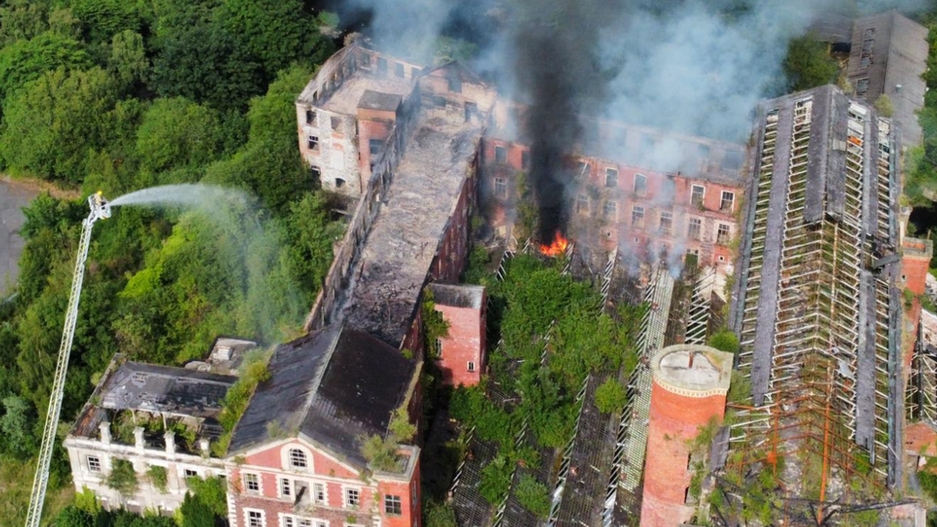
x: 823, y: 375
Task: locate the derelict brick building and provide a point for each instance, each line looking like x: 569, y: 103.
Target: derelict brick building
x: 815, y: 303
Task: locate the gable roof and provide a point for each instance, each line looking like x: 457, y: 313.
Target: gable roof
x: 331, y: 388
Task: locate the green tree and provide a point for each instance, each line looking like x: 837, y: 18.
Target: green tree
x: 177, y: 132
x: 17, y: 426
x: 72, y: 516
x: 211, y: 492
x: 102, y: 19
x: 25, y: 60
x: 274, y: 32
x: 22, y: 20
x: 533, y: 496
x: 808, y: 64
x: 128, y: 63
x: 724, y: 340
x: 122, y: 477
x: 194, y: 513
x: 438, y: 514
x: 44, y: 118
x: 610, y: 397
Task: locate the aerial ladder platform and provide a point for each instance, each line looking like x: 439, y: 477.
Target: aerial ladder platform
x: 100, y: 209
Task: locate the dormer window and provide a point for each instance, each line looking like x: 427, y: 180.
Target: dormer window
x: 298, y: 459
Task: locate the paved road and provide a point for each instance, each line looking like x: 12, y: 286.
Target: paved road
x: 13, y: 197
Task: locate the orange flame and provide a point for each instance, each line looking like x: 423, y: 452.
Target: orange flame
x: 556, y: 248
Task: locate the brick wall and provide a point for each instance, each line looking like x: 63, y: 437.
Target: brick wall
x: 464, y: 343
x: 674, y: 420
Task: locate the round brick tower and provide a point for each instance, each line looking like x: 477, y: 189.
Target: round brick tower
x: 689, y: 388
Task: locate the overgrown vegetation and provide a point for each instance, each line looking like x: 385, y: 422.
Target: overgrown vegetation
x: 533, y: 496
x: 158, y: 477
x: 381, y: 452
x: 808, y: 64
x: 920, y: 184
x: 120, y: 96
x: 435, y: 326
x: 122, y: 477
x: 610, y: 397
x: 724, y: 340
x: 584, y: 340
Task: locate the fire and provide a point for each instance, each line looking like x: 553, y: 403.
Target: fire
x: 556, y: 248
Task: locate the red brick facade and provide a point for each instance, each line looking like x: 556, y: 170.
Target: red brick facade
x: 462, y: 351
x: 267, y: 485
x: 610, y: 208
x: 674, y: 421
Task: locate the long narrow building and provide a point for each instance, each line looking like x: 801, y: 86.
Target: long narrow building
x: 816, y: 303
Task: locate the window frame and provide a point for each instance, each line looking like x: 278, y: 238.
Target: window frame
x: 665, y: 216
x: 722, y: 201
x: 312, y: 117
x: 372, y: 151
x: 501, y: 187
x: 698, y: 223
x: 610, y: 210
x: 285, y: 487
x: 637, y: 212
x: 643, y: 190
x: 582, y: 204
x: 611, y: 177
x: 245, y: 478
x: 297, y: 456
x: 312, y: 142
x: 248, y: 517
x: 470, y: 367
x: 346, y: 502
x: 720, y: 228
x: 501, y: 154
x: 393, y: 505
x: 315, y: 486
x: 97, y: 461
x: 702, y: 195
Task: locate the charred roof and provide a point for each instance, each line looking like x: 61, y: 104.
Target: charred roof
x: 331, y: 387
x: 458, y: 295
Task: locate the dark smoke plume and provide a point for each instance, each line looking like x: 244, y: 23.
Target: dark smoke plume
x: 557, y: 69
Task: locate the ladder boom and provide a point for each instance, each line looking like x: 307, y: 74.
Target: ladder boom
x: 100, y: 209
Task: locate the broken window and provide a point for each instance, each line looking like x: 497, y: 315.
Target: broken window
x: 286, y: 489
x: 501, y: 187
x: 611, y: 177
x: 336, y: 124
x: 374, y: 146
x: 525, y: 159
x: 582, y: 204
x: 298, y: 459
x: 584, y: 169
x: 393, y: 505
x: 722, y: 234
x: 352, y: 497
x: 610, y: 210
x: 382, y: 64
x: 728, y: 201
x: 94, y: 464
x: 316, y: 171
x: 471, y: 110
x: 501, y: 155
x: 696, y: 228
x: 318, y: 493
x: 640, y: 184
x: 339, y: 182
x: 637, y: 216
x: 862, y: 87
x: 471, y: 365
x: 696, y: 195
x: 666, y: 223
x: 398, y: 69
x: 311, y: 117
x: 255, y: 519
x: 189, y: 473
x: 312, y: 142
x: 251, y: 483
x: 455, y: 84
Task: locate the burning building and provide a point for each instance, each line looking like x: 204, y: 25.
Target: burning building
x: 619, y: 196
x: 816, y: 299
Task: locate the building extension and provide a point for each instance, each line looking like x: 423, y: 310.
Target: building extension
x: 816, y: 300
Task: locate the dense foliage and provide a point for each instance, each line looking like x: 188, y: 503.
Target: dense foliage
x: 808, y: 64
x: 120, y: 96
x: 535, y: 299
x: 920, y: 185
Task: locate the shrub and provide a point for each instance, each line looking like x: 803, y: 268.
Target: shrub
x: 72, y: 516
x: 884, y: 106
x: 533, y: 496
x: 158, y: 478
x: 437, y: 514
x: 724, y: 340
x: 496, y: 479
x: 123, y: 478
x: 610, y: 397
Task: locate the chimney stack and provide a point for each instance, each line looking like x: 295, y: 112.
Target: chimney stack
x: 105, y: 428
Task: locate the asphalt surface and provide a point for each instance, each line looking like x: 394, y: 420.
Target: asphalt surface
x: 13, y: 197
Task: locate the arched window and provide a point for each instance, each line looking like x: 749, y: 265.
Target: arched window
x: 298, y: 459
